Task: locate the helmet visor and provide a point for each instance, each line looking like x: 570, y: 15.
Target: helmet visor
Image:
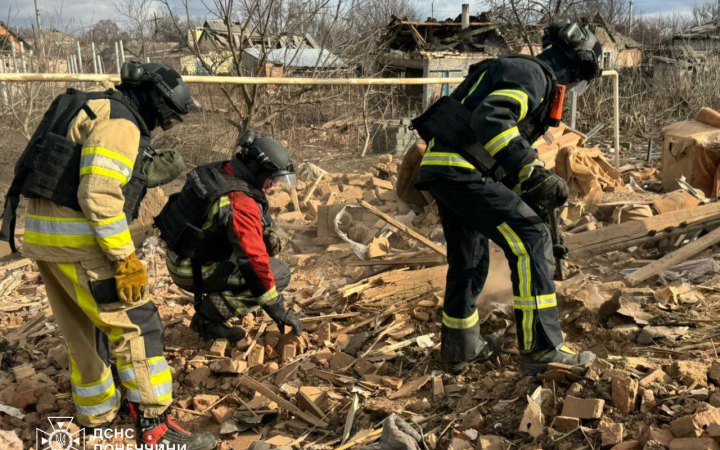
x: 284, y: 179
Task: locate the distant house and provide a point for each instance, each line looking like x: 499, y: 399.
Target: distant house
x: 704, y: 38
x: 674, y: 59
x: 12, y: 43
x: 279, y: 53
x: 619, y: 52
x: 282, y: 60
x: 444, y: 49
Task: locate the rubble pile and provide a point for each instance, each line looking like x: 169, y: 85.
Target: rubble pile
x: 368, y: 276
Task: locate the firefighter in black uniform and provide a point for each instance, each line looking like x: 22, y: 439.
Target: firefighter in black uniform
x: 489, y: 184
x: 221, y: 239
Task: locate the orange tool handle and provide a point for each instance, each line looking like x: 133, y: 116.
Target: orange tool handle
x: 556, y: 110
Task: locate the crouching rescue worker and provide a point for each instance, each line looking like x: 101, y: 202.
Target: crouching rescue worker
x: 220, y: 239
x: 489, y: 184
x: 83, y: 175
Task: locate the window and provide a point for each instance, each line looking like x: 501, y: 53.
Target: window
x: 606, y: 60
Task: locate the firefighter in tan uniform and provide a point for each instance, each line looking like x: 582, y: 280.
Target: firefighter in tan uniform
x: 82, y: 174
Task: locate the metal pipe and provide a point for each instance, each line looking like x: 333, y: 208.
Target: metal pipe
x: 94, y: 56
x: 616, y: 111
x: 63, y: 77
x: 122, y: 54
x: 573, y: 108
x: 79, y: 66
x: 117, y: 57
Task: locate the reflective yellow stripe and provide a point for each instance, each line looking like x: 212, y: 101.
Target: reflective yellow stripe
x: 502, y: 140
x: 115, y: 241
x: 446, y: 159
x: 108, y: 154
x: 155, y: 380
x: 474, y: 86
x: 528, y: 169
x: 565, y: 349
x: 517, y: 95
x: 528, y: 317
x: 112, y: 233
x: 461, y: 324
x: 102, y: 171
x: 58, y: 240
x: 523, y: 259
x: 87, y: 303
x: 538, y: 302
x: 183, y: 268
x: 93, y: 389
x: 89, y: 412
x: 214, y: 209
x: 269, y: 296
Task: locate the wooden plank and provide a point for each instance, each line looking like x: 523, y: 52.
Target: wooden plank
x: 255, y: 385
x: 425, y: 260
x: 675, y: 257
x: 405, y: 229
x: 313, y: 187
x: 294, y: 197
x: 638, y: 232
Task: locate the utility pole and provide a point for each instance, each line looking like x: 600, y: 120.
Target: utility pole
x: 631, y: 15
x: 38, y: 30
x: 37, y: 17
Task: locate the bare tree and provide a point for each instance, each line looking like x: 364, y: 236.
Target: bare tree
x: 137, y: 16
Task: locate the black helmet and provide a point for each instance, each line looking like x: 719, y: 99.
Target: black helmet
x: 167, y: 91
x: 579, y: 45
x: 267, y: 158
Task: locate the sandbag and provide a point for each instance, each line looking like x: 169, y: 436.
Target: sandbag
x: 708, y: 116
x: 408, y: 175
x: 587, y: 172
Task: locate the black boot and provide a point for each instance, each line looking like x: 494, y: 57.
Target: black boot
x: 536, y: 362
x: 210, y: 330
x: 461, y: 347
x: 210, y: 319
x: 162, y: 433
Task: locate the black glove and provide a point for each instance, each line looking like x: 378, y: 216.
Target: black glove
x: 544, y: 189
x: 275, y: 239
x: 277, y: 312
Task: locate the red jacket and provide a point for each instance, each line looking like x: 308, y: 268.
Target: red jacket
x: 245, y: 232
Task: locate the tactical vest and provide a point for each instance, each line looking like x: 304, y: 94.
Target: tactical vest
x: 49, y: 167
x: 180, y: 221
x: 447, y: 121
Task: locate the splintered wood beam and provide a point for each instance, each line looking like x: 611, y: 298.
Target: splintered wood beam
x: 676, y: 257
x: 405, y: 229
x: 255, y: 385
x: 639, y: 232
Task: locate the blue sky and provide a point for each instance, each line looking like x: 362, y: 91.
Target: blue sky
x: 86, y: 12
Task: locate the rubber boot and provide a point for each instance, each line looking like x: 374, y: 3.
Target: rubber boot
x: 460, y: 348
x: 163, y: 433
x: 537, y: 362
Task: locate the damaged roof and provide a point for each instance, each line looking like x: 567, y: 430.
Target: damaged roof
x: 299, y: 58
x: 483, y: 35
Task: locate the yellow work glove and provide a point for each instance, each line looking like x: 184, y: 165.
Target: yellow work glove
x: 130, y: 279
